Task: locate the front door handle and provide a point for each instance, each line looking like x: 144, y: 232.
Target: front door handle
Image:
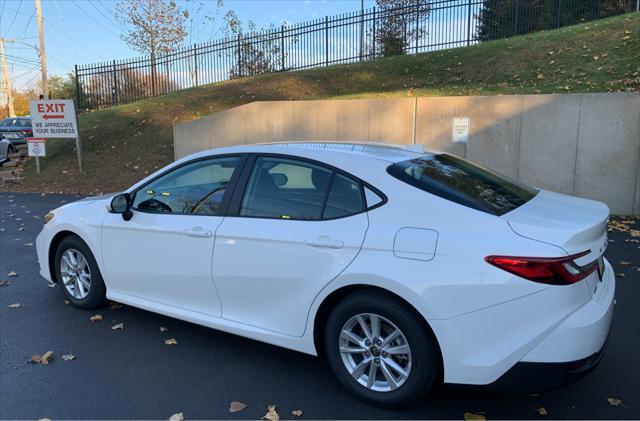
x: 325, y: 242
x: 197, y: 232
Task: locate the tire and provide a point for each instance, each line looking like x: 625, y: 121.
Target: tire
x: 422, y: 363
x: 10, y: 150
x: 74, y: 286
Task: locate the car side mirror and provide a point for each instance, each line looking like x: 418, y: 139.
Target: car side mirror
x: 121, y: 204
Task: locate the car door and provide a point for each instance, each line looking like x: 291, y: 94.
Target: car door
x: 163, y: 254
x: 296, y: 226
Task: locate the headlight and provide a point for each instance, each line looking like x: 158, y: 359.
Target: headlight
x: 48, y: 217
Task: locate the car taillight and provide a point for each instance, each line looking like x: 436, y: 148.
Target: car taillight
x: 546, y: 270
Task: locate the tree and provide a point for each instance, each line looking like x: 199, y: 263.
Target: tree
x: 400, y: 26
x: 154, y: 26
x: 257, y: 51
x: 505, y: 18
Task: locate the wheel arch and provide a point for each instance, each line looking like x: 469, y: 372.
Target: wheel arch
x: 53, y: 247
x: 332, y: 299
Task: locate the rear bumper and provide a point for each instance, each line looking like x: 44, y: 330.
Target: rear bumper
x: 539, y: 377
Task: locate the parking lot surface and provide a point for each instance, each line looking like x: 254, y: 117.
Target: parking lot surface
x: 131, y: 373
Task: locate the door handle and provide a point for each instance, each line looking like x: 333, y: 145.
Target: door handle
x: 325, y: 242
x: 197, y: 232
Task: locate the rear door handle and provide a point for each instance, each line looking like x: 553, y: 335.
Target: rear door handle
x: 197, y: 232
x: 325, y: 242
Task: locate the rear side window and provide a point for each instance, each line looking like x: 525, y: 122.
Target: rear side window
x: 345, y: 198
x: 463, y: 182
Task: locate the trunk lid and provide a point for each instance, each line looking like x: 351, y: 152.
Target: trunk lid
x: 572, y: 223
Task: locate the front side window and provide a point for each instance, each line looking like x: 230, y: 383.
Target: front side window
x: 196, y: 188
x: 286, y: 188
x: 463, y: 182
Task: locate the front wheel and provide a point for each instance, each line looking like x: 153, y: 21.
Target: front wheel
x: 78, y: 274
x: 379, y: 351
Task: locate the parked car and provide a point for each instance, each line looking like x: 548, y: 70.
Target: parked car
x: 16, y: 130
x: 6, y: 148
x: 403, y: 268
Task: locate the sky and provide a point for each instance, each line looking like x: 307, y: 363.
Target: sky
x: 85, y: 31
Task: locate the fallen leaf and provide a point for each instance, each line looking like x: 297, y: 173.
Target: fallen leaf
x: 272, y: 414
x: 15, y: 305
x: 177, y: 417
x: 624, y: 263
x: 44, y: 419
x: 171, y: 341
x: 542, y: 410
x: 115, y: 306
x: 119, y: 326
x: 470, y: 416
x: 68, y: 357
x: 614, y: 401
x: 4, y: 283
x: 51, y: 285
x: 28, y: 244
x: 163, y: 329
x: 297, y: 412
x: 12, y: 273
x: 67, y: 302
x: 35, y: 359
x: 236, y: 406
x: 620, y: 275
x: 46, y: 357
x: 96, y: 318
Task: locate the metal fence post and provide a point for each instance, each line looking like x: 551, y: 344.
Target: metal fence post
x: 558, y: 13
x: 326, y: 40
x: 361, y: 31
x: 515, y: 17
x: 373, y: 41
x: 637, y: 5
x: 77, y: 89
x: 195, y: 63
x: 114, y: 90
x: 239, y: 57
x: 417, y: 33
x: 469, y: 23
x: 282, y: 56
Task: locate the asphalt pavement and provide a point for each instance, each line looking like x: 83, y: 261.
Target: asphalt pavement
x: 132, y: 374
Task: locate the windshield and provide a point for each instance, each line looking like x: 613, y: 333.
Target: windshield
x: 463, y: 182
x: 16, y: 122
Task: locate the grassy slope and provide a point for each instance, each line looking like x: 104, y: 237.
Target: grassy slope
x: 124, y: 143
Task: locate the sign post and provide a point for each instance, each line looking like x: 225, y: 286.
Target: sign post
x: 55, y: 118
x: 36, y: 149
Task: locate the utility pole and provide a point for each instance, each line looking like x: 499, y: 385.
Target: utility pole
x: 43, y: 54
x: 7, y: 80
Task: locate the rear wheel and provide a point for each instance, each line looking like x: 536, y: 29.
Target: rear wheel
x: 78, y: 274
x: 379, y: 351
x: 10, y: 149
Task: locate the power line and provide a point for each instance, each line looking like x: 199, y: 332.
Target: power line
x: 14, y: 17
x: 107, y: 17
x: 73, y: 40
x: 94, y: 19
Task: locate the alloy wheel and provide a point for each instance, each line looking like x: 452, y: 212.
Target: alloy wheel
x: 76, y: 275
x: 375, y: 352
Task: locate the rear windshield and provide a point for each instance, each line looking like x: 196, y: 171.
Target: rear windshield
x: 462, y: 182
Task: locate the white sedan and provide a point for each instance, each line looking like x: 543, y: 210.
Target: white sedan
x: 403, y: 268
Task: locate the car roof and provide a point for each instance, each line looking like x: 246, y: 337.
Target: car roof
x: 325, y: 150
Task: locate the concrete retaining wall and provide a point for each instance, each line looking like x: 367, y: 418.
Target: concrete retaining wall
x: 582, y: 144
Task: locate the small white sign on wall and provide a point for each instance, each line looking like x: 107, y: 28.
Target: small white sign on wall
x: 460, y: 130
